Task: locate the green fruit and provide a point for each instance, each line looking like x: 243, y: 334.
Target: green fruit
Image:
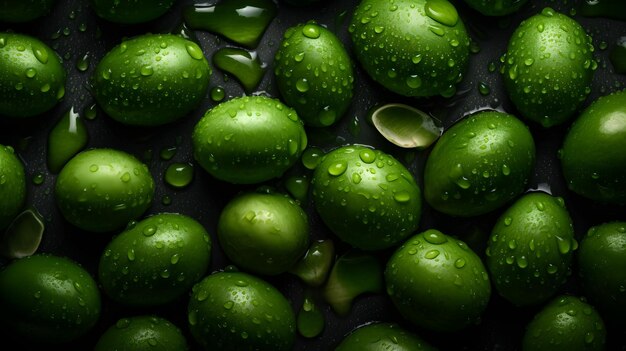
x: 601, y: 259
x: 593, y: 157
x: 566, y: 323
x: 314, y: 74
x: 130, y: 12
x: 101, y: 190
x: 249, y: 140
x: 17, y: 11
x: 437, y: 282
x: 382, y: 337
x: 548, y: 67
x: 237, y: 311
x: 263, y: 233
x: 12, y: 185
x: 479, y: 164
x: 155, y: 261
x: 32, y: 79
x: 142, y: 333
x: 411, y: 47
x: 151, y: 79
x: 496, y: 7
x: 530, y: 249
x: 366, y: 197
x: 48, y: 299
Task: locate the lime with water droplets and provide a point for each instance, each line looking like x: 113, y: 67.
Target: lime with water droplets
x: 49, y: 299
x: 249, y: 139
x: 155, y: 261
x: 548, y: 67
x: 566, y: 323
x: 413, y: 48
x: 314, y: 74
x: 531, y: 249
x: 32, y: 79
x: 593, y: 158
x: 366, y: 197
x: 255, y: 314
x: 437, y: 282
x: 601, y: 255
x: 151, y: 79
x: 263, y: 233
x: 479, y: 164
x: 100, y: 190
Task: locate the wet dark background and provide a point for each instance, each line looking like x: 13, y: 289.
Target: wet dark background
x: 74, y: 31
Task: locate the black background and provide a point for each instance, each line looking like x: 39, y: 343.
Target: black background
x: 502, y: 326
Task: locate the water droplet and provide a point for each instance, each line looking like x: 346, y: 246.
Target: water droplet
x: 337, y: 168
x: 512, y: 244
x: 459, y: 263
x: 484, y: 89
x: 367, y: 156
x: 146, y: 71
x: 82, y: 64
x: 311, y: 31
x: 149, y: 230
x: 125, y: 177
x: 131, y: 254
x: 302, y: 85
x: 563, y: 244
x: 442, y: 12
x: 311, y: 157
x: 179, y: 175
x: 218, y: 94
x: 229, y: 305
x: 31, y: 72
x: 41, y: 54
x: 435, y: 237
x: 194, y: 51
x: 402, y: 197
x: 38, y: 178
x: 175, y: 258
x: 432, y: 254
x: 522, y: 262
